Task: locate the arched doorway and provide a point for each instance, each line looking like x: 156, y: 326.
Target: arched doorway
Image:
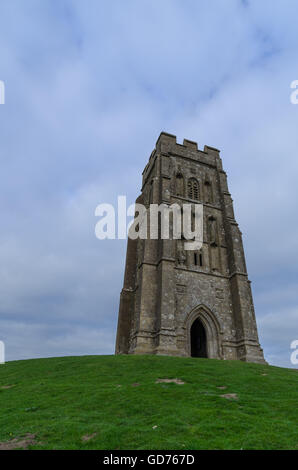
x: 198, y: 339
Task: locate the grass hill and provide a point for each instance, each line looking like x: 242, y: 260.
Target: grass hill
x: 119, y: 402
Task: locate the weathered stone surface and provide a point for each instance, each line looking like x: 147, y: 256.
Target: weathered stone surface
x: 167, y: 291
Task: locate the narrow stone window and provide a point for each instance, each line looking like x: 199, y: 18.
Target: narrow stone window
x: 151, y: 193
x: 198, y: 259
x: 179, y: 185
x: 208, y: 192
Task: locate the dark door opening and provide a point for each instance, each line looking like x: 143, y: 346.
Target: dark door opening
x: 198, y: 339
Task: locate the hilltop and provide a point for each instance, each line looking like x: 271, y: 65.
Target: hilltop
x: 127, y: 402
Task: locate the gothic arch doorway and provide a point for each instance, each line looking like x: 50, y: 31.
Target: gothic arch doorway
x: 203, y: 334
x: 198, y: 339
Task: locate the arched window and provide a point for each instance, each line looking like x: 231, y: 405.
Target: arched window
x: 193, y: 189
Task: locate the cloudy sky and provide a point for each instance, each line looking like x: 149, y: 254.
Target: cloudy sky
x: 89, y: 87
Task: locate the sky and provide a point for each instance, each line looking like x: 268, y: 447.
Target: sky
x: 89, y: 86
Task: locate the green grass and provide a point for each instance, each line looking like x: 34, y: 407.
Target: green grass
x: 62, y: 399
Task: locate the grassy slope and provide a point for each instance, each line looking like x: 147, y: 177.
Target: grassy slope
x: 62, y: 399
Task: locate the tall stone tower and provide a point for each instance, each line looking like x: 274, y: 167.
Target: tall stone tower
x: 188, y: 303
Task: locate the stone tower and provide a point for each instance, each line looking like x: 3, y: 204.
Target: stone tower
x: 187, y: 303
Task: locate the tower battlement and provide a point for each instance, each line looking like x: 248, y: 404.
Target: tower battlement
x: 170, y: 140
x: 167, y: 145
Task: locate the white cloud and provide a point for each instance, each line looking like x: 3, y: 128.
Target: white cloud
x: 89, y: 86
